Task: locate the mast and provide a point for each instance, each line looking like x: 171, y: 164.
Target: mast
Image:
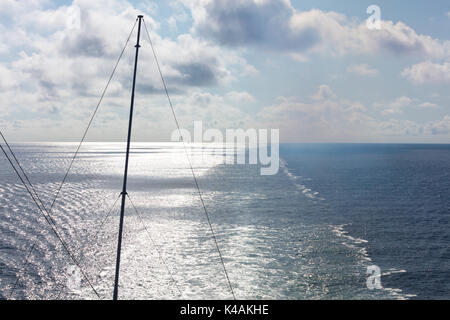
x: 124, y: 189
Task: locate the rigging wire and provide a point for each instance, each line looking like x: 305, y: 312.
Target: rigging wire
x: 35, y: 195
x: 53, y: 227
x: 106, y: 217
x: 156, y: 246
x: 92, y: 118
x: 26, y: 176
x: 50, y: 219
x: 190, y: 164
x: 95, y: 236
x: 23, y: 268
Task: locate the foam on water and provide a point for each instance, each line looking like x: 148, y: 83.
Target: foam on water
x: 356, y: 244
x: 297, y: 181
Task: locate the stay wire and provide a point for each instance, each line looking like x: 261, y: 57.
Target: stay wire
x: 35, y: 193
x: 53, y: 227
x: 23, y: 268
x: 49, y: 219
x: 95, y: 237
x: 156, y: 246
x: 26, y: 176
x: 92, y: 118
x: 190, y: 164
x: 106, y: 217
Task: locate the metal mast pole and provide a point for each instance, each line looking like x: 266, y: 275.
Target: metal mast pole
x: 124, y: 190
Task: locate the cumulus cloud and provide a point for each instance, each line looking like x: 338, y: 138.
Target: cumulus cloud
x: 362, y: 70
x: 428, y: 105
x: 440, y: 126
x: 397, y: 106
x: 60, y: 71
x: 396, y: 127
x: 428, y: 72
x: 13, y: 7
x: 179, y: 15
x: 324, y: 93
x: 3, y: 44
x: 339, y: 119
x: 215, y: 111
x: 7, y: 79
x: 326, y: 119
x: 276, y: 25
x: 55, y: 73
x: 240, y: 97
x: 394, y: 107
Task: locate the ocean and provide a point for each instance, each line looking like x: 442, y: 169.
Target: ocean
x: 309, y: 232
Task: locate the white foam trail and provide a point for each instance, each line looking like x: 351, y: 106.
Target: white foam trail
x: 357, y: 244
x: 302, y: 188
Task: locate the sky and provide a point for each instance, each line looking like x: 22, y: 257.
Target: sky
x: 312, y: 69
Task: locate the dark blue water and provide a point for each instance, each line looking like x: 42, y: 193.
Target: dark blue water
x: 395, y: 196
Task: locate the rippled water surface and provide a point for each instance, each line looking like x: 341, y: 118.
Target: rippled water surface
x: 309, y: 232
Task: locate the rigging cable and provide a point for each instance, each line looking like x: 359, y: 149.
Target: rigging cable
x: 48, y: 217
x: 155, y: 245
x: 53, y: 227
x: 95, y: 236
x: 25, y: 175
x: 190, y: 164
x: 92, y: 118
x: 23, y: 268
x: 106, y: 218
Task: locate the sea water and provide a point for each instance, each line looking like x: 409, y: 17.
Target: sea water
x: 309, y: 232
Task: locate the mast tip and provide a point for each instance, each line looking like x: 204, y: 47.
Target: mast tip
x: 140, y: 16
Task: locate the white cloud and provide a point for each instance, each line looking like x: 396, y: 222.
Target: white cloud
x: 58, y: 75
x: 3, y: 44
x: 240, y: 97
x: 428, y: 105
x: 325, y: 119
x: 324, y: 93
x: 396, y: 127
x: 440, y: 126
x: 179, y: 15
x: 172, y: 22
x: 13, y: 7
x: 397, y: 106
x: 249, y: 70
x: 212, y: 109
x: 277, y: 26
x: 47, y: 20
x: 362, y: 70
x: 61, y: 72
x: 148, y: 6
x: 8, y: 79
x: 394, y: 107
x: 428, y: 72
x: 336, y: 119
